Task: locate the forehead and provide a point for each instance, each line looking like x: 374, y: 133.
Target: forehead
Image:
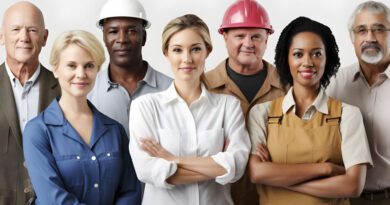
x: 186, y: 36
x: 122, y: 21
x: 247, y: 31
x: 368, y: 18
x: 307, y: 40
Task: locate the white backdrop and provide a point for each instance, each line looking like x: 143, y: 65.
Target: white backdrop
x: 62, y: 15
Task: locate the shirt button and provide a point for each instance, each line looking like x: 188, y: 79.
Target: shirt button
x: 26, y: 190
x: 93, y: 158
x: 96, y: 185
x: 108, y: 154
x: 78, y: 157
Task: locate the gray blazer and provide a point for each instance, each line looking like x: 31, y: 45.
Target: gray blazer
x: 15, y: 185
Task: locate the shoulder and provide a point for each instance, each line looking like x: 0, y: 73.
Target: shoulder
x: 35, y: 128
x: 260, y: 109
x: 350, y: 112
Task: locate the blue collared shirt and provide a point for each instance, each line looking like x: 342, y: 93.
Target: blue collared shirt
x: 65, y: 170
x: 113, y: 100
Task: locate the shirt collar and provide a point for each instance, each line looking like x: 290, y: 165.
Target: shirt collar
x: 53, y: 114
x: 32, y: 79
x: 320, y: 103
x: 150, y: 78
x: 171, y: 95
x: 219, y: 77
x: 357, y: 72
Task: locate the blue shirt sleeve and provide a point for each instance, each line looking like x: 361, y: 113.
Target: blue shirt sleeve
x: 42, y: 167
x: 130, y: 188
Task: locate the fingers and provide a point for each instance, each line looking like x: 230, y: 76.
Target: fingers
x: 263, y: 153
x: 150, y: 146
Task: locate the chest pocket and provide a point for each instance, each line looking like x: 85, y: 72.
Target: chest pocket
x: 210, y: 142
x: 71, y: 169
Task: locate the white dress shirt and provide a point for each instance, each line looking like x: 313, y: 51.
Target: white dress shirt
x: 351, y: 86
x: 198, y: 130
x: 354, y: 143
x: 26, y: 97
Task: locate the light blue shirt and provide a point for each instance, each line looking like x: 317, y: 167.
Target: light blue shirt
x: 65, y: 170
x: 26, y: 96
x: 113, y: 100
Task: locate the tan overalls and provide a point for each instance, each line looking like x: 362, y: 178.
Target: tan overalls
x: 292, y: 140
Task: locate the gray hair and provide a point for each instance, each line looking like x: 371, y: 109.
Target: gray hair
x: 371, y: 6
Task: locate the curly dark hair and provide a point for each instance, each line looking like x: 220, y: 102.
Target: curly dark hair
x: 304, y: 24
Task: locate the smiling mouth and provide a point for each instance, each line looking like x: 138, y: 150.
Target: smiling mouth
x: 307, y: 74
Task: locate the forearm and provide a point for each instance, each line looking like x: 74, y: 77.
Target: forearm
x: 281, y: 175
x: 202, y: 165
x: 347, y: 185
x: 184, y: 176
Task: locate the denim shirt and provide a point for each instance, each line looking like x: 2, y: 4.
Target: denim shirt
x: 65, y: 170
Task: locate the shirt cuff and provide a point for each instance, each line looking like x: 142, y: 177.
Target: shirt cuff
x: 164, y: 169
x: 226, y: 160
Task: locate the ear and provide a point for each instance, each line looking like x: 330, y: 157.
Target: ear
x: 225, y: 36
x: 45, y: 35
x: 144, y: 37
x: 2, y: 41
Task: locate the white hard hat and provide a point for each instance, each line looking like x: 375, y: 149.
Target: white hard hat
x: 123, y: 8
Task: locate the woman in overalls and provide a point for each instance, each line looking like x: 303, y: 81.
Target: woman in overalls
x: 307, y: 148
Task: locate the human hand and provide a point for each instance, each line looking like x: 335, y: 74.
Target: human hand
x: 334, y: 169
x: 262, y: 152
x: 154, y: 149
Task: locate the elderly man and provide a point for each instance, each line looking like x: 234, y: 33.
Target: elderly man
x: 128, y: 76
x: 244, y: 74
x: 26, y: 88
x: 366, y: 85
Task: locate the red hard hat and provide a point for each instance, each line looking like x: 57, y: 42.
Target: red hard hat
x: 246, y: 14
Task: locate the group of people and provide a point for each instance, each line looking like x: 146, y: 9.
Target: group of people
x: 248, y: 132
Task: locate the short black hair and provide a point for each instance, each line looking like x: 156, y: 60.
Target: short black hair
x: 304, y: 24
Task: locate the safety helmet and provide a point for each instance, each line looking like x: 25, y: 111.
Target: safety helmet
x: 246, y: 14
x: 123, y: 8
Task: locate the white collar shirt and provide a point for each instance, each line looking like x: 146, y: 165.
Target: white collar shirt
x: 197, y: 130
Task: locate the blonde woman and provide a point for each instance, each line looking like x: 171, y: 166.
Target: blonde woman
x: 74, y: 153
x: 188, y: 144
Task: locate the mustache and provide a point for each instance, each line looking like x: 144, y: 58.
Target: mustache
x: 371, y: 45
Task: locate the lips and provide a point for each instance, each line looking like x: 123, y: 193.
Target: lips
x: 307, y: 73
x: 371, y: 46
x: 187, y: 69
x: 122, y: 51
x: 80, y: 85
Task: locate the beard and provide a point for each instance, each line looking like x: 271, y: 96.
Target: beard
x: 375, y: 57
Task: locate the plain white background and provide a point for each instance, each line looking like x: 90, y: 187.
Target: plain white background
x: 62, y: 15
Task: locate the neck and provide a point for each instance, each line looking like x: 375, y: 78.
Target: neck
x: 250, y: 69
x: 189, y: 91
x: 135, y: 71
x: 371, y: 71
x: 74, y: 106
x: 304, y: 97
x: 22, y: 70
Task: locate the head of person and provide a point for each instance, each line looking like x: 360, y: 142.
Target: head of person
x: 306, y: 53
x: 369, y: 27
x: 76, y: 58
x: 23, y: 33
x: 245, y: 28
x: 186, y: 43
x: 123, y: 23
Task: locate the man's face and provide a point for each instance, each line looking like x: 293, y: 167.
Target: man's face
x: 246, y: 46
x: 23, y: 33
x: 371, y: 39
x: 124, y: 38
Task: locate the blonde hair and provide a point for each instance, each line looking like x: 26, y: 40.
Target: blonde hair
x: 83, y: 39
x: 188, y: 21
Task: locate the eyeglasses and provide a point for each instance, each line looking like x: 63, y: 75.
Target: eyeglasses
x: 376, y: 30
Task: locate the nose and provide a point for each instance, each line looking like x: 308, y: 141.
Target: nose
x: 122, y: 36
x: 24, y: 36
x: 248, y: 42
x: 187, y: 57
x: 370, y: 37
x: 80, y: 73
x: 308, y: 62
